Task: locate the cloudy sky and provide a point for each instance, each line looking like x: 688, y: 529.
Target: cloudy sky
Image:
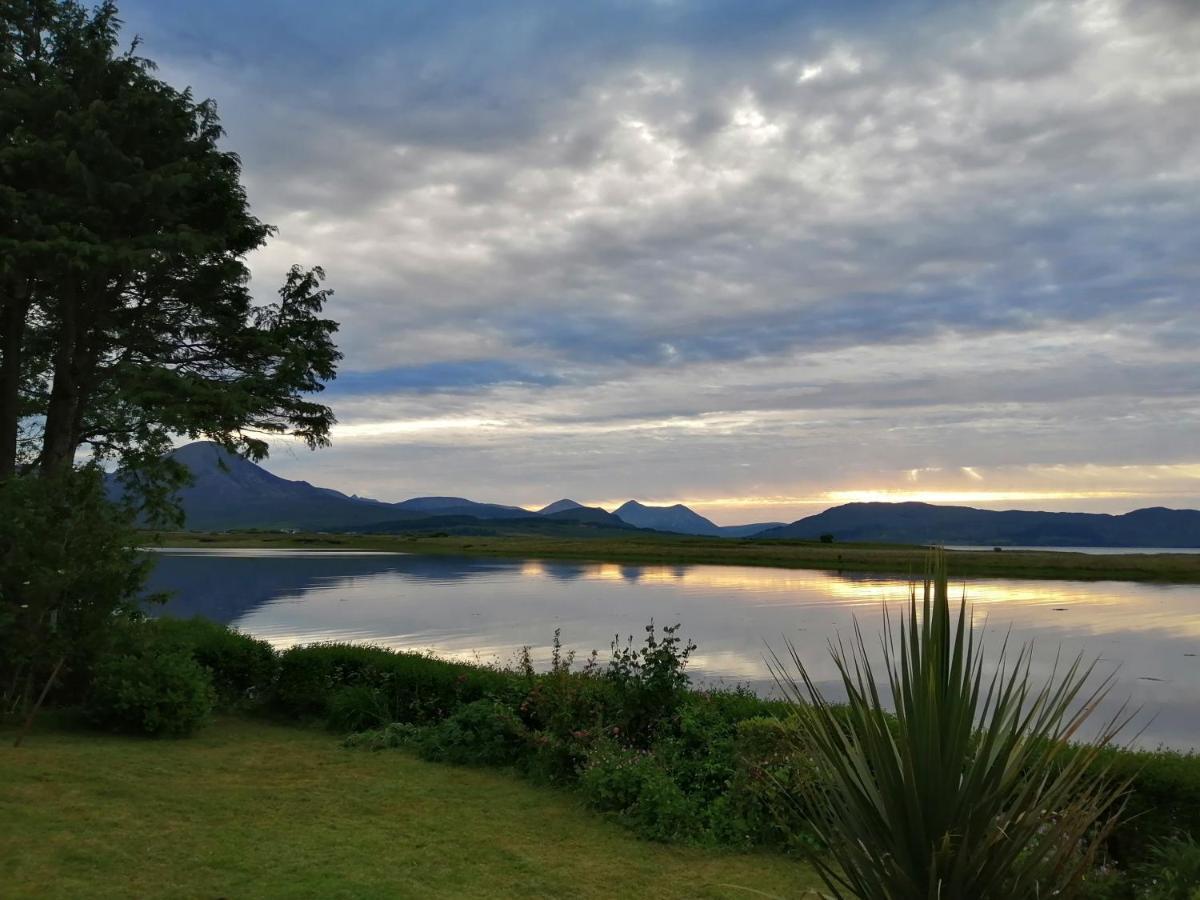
x: 758, y: 256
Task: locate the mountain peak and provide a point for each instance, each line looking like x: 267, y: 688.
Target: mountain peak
x: 559, y: 506
x: 677, y: 518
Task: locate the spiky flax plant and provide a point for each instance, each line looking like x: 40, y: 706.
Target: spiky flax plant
x: 970, y: 786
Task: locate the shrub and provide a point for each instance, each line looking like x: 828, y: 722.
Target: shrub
x: 412, y: 687
x: 1172, y: 871
x: 633, y: 784
x: 1164, y: 799
x: 481, y: 733
x: 243, y: 668
x: 764, y: 804
x: 556, y: 759
x: 562, y: 702
x: 697, y: 748
x: 359, y: 707
x: 155, y: 690
x: 70, y: 573
x: 649, y: 683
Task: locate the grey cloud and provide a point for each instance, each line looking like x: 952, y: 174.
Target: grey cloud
x: 617, y: 197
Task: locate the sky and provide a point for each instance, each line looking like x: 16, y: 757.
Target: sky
x: 759, y: 257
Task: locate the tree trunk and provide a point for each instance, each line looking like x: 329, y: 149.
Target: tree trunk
x: 14, y: 306
x: 58, y: 448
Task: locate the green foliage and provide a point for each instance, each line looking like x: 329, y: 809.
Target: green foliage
x: 1172, y: 871
x: 650, y: 683
x: 153, y: 689
x: 69, y: 571
x: 563, y: 703
x: 359, y: 707
x: 126, y: 317
x: 243, y: 668
x: 1164, y: 799
x: 482, y: 733
x: 635, y: 785
x: 764, y: 805
x: 408, y: 687
x: 969, y: 790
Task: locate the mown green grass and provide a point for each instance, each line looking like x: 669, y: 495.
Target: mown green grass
x: 675, y: 550
x: 252, y: 809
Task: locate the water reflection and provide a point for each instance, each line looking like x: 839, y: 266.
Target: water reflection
x: 487, y: 609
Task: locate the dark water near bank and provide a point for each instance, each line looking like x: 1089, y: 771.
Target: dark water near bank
x: 486, y: 609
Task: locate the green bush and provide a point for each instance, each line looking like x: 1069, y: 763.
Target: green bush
x: 1171, y: 871
x: 554, y: 759
x: 71, y: 574
x: 697, y: 748
x: 359, y: 707
x: 650, y: 683
x: 411, y: 687
x: 481, y: 733
x: 763, y: 805
x: 243, y: 668
x: 156, y: 690
x: 632, y: 783
x: 1164, y: 799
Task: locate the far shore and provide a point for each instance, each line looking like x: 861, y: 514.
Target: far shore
x: 662, y: 549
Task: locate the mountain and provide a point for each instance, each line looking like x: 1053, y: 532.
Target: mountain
x: 231, y: 492
x: 677, y: 518
x: 559, y: 506
x: 591, y: 514
x: 925, y: 523
x: 460, y: 506
x: 745, y: 531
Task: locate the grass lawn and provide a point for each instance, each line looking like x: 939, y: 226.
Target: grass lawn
x: 249, y: 809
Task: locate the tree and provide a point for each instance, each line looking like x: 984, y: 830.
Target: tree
x: 126, y: 323
x: 126, y: 319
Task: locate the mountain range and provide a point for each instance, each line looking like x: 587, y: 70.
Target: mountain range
x: 925, y: 523
x: 229, y: 492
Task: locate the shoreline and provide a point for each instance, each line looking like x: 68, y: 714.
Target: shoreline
x: 892, y: 559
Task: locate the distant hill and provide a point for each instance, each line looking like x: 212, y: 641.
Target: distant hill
x: 744, y: 531
x: 677, y: 518
x: 593, y: 514
x: 460, y: 506
x: 925, y: 523
x: 469, y: 526
x: 231, y: 492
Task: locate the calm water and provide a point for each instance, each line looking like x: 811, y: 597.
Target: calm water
x: 486, y: 609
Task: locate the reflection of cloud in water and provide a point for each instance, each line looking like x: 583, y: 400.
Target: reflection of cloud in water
x: 487, y: 609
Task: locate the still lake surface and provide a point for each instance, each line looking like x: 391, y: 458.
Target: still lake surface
x: 487, y: 609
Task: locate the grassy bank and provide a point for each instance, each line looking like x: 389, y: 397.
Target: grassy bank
x: 253, y: 809
x: 676, y: 550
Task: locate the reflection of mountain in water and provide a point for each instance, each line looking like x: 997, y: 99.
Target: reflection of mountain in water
x: 225, y: 588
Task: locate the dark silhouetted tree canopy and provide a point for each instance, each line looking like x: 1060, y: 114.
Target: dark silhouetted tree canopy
x: 126, y: 321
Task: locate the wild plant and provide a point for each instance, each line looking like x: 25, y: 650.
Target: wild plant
x: 969, y: 788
